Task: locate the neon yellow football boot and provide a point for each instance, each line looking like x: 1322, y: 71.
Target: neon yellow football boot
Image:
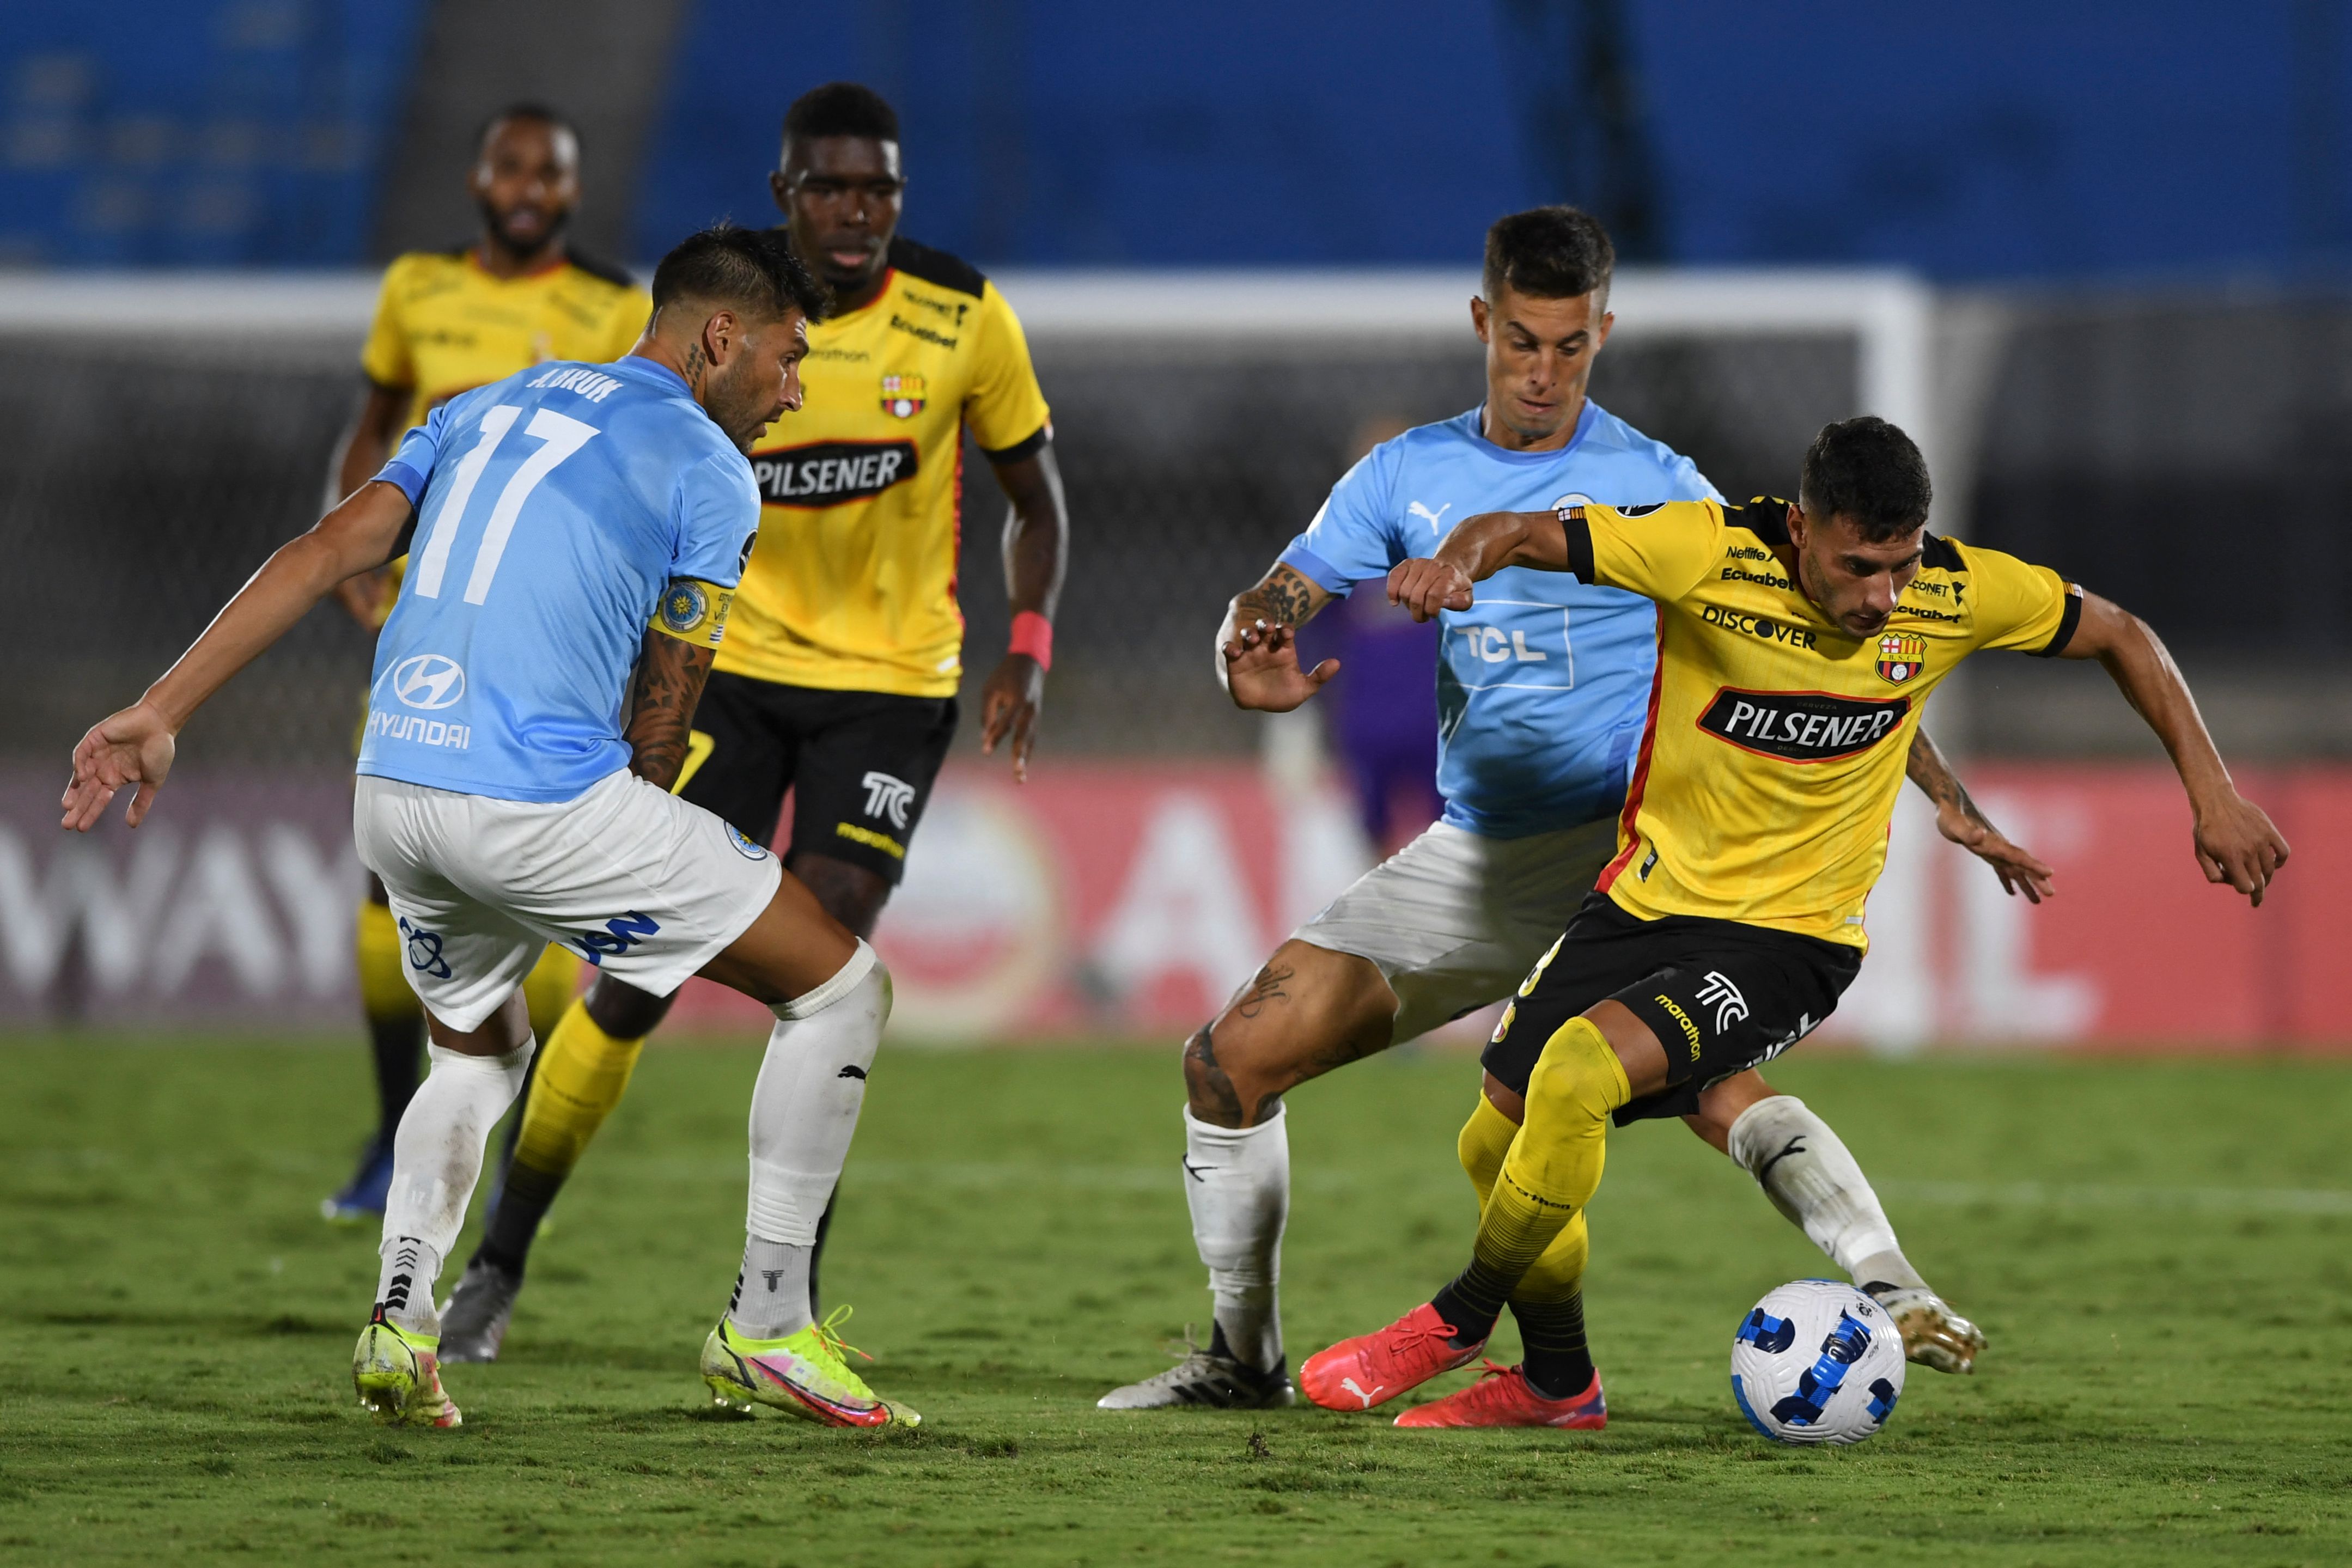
x: 802, y: 1374
x: 398, y: 1374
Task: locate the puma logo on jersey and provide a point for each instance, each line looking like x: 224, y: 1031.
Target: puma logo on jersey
x: 888, y: 797
x: 1436, y: 518
x: 1351, y: 1384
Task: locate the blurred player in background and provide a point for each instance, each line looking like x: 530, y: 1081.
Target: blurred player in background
x: 1540, y: 694
x: 837, y: 682
x: 449, y: 321
x: 581, y: 531
x: 1797, y: 648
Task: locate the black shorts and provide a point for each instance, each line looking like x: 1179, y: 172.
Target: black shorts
x: 1721, y: 996
x: 859, y: 765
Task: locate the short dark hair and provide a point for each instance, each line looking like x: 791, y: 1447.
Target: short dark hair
x: 555, y: 118
x: 1868, y: 470
x: 841, y: 108
x: 1549, y: 253
x: 751, y: 270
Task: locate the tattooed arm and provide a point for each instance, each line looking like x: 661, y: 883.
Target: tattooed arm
x: 668, y: 684
x: 1958, y: 819
x: 1257, y: 651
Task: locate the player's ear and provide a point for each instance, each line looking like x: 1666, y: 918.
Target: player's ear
x: 1478, y: 316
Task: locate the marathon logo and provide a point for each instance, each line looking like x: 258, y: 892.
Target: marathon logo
x: 831, y: 473
x: 420, y: 729
x: 1802, y: 726
x: 1756, y: 626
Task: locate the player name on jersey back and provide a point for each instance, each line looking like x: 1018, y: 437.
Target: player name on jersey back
x: 555, y: 511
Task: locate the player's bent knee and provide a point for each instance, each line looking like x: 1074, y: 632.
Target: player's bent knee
x: 1578, y: 1078
x: 623, y: 1012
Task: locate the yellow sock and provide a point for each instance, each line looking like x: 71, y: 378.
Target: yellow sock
x: 582, y: 1073
x: 1554, y: 1165
x: 383, y: 967
x: 548, y: 989
x: 1559, y: 1270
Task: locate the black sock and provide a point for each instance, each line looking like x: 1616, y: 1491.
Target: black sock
x: 816, y: 1253
x: 1556, y: 1360
x: 398, y: 1043
x: 523, y: 1202
x: 1472, y: 1302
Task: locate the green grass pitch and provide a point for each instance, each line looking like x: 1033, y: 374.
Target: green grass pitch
x: 2158, y: 1250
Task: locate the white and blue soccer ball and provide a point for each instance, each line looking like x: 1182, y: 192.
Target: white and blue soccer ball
x: 1817, y: 1362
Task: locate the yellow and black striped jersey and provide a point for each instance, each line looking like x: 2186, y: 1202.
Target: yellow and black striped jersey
x: 1777, y: 741
x: 852, y: 586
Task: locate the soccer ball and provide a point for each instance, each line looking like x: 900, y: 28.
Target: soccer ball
x: 1817, y: 1362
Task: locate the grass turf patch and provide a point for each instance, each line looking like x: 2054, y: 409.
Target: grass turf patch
x: 2158, y: 1251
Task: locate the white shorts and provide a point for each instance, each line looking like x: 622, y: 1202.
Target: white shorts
x: 1456, y: 920
x: 628, y: 876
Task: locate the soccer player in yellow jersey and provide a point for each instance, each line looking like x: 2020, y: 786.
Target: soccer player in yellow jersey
x: 449, y: 321
x: 1796, y: 647
x: 845, y: 647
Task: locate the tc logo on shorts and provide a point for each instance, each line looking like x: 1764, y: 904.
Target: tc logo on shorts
x: 743, y: 842
x: 1723, y: 997
x: 888, y: 797
x: 424, y: 950
x: 429, y: 681
x: 620, y: 933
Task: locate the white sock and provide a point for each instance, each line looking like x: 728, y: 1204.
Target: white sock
x: 803, y: 1114
x: 1237, y: 1184
x: 1812, y: 1179
x: 436, y: 1158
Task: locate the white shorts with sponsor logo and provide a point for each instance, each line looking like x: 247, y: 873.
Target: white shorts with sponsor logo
x: 628, y: 876
x: 1456, y: 920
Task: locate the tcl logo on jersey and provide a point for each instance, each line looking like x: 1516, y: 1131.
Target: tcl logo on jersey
x: 832, y: 472
x: 1802, y: 726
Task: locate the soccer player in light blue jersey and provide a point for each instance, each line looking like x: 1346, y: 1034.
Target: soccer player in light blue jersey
x: 577, y: 534
x: 1543, y: 689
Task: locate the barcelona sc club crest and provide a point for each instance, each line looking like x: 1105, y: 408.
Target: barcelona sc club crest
x: 1901, y: 656
x: 902, y: 395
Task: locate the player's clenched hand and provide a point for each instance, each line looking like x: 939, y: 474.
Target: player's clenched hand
x: 1262, y: 668
x: 133, y: 747
x: 1425, y: 587
x: 1009, y: 705
x: 2236, y: 843
x: 2020, y: 870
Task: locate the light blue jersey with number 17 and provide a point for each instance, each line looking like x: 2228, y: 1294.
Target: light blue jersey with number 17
x: 552, y: 510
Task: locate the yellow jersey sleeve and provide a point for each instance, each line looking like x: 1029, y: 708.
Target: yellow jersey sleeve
x: 1006, y: 407
x: 385, y: 359
x: 628, y: 324
x: 1660, y: 552
x: 2019, y: 605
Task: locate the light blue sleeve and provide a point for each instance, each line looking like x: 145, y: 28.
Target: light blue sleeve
x: 1685, y: 483
x: 717, y: 516
x: 1354, y: 537
x: 411, y: 466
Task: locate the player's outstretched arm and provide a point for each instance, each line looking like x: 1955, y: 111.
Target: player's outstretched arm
x: 667, y: 686
x: 366, y: 446
x: 136, y: 745
x: 2236, y: 842
x: 1036, y: 557
x: 1257, y: 645
x: 1958, y: 819
x: 1474, y: 551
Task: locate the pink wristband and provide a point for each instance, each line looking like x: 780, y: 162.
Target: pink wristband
x: 1032, y: 634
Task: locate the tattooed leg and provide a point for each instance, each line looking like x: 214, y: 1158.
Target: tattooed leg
x: 1309, y: 1010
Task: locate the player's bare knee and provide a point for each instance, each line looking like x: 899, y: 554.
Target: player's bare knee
x: 1505, y: 1099
x: 850, y: 893
x: 1723, y: 1104
x: 623, y: 1012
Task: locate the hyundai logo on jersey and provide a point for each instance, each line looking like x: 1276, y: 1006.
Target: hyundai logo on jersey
x: 429, y: 681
